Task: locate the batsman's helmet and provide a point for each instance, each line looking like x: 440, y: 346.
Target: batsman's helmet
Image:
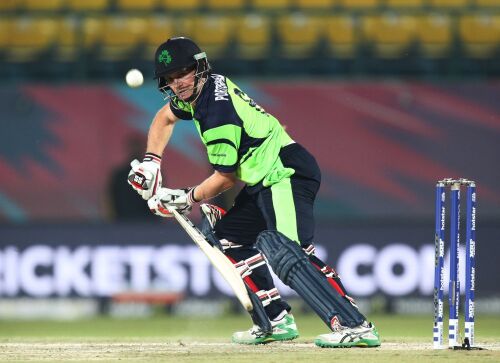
x: 177, y: 54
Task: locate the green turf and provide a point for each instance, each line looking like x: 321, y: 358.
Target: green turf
x: 391, y: 327
x: 166, y: 338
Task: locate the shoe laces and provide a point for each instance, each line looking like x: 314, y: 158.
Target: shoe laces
x: 363, y: 328
x: 256, y: 331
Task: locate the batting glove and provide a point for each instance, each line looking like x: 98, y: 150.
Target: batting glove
x: 145, y: 177
x: 180, y: 199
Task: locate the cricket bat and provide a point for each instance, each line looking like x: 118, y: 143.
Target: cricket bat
x: 217, y: 258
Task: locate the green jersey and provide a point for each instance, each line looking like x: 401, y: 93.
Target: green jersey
x: 239, y: 135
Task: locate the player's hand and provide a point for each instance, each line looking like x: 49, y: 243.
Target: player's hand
x: 180, y: 199
x: 145, y: 177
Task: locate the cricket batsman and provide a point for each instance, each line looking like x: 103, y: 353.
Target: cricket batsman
x: 271, y: 221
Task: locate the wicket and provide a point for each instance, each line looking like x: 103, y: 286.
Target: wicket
x: 470, y: 268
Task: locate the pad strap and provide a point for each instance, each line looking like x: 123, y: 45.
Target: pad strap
x: 228, y: 244
x: 267, y: 296
x: 245, y: 267
x: 309, y: 250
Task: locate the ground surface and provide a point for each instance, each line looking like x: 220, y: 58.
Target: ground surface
x: 166, y: 339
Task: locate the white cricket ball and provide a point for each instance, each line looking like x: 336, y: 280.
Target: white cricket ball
x: 134, y: 78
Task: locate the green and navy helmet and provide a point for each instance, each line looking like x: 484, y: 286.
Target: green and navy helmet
x: 177, y: 54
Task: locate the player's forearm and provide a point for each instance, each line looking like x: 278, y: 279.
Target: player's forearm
x: 214, y: 185
x: 160, y: 132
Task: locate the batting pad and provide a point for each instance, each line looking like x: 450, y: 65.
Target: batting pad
x: 258, y: 314
x: 292, y: 266
x: 207, y: 231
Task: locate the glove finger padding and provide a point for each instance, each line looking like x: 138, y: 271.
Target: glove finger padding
x: 156, y: 206
x: 145, y: 177
x: 177, y: 198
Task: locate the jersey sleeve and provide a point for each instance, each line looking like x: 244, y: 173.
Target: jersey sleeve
x: 222, y: 144
x: 180, y: 109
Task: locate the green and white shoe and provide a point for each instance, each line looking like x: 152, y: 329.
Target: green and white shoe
x: 363, y: 336
x: 283, y: 329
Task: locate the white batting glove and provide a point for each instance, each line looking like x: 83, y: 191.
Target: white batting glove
x: 145, y: 177
x: 180, y: 199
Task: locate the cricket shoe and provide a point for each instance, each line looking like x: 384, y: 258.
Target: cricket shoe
x: 363, y: 336
x: 283, y: 329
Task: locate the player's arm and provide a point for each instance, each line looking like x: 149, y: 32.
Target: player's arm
x: 161, y: 130
x: 183, y: 199
x: 145, y: 177
x: 222, y: 154
x: 215, y: 184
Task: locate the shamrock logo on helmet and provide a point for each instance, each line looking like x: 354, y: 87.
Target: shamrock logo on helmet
x: 165, y: 57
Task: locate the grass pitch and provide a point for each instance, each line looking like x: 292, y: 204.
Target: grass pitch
x: 175, y: 339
